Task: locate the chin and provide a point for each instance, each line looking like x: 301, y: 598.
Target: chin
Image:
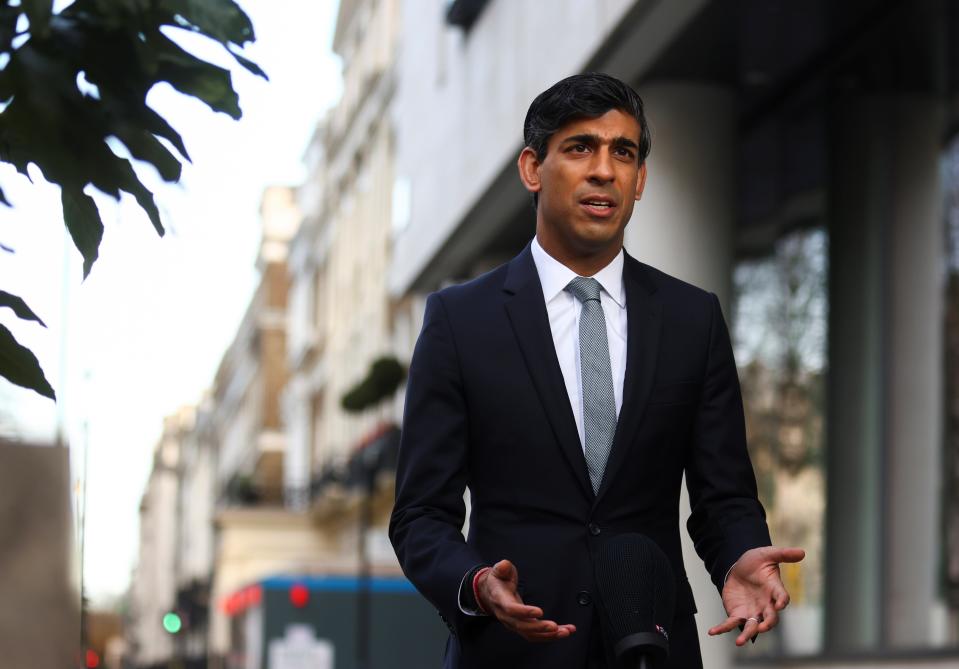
x: 593, y: 245
x: 600, y: 236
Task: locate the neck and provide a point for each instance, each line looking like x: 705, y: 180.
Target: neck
x: 585, y: 262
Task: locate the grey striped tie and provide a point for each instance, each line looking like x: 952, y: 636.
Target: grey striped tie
x: 599, y: 402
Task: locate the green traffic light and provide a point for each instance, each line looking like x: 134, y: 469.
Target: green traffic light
x: 172, y: 623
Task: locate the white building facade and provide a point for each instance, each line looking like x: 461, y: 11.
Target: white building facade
x: 339, y: 260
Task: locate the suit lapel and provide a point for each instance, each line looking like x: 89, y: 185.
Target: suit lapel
x: 643, y: 325
x: 526, y: 309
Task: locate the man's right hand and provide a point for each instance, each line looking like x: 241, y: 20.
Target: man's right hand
x: 497, y: 594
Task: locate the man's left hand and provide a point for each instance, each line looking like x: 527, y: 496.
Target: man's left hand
x: 754, y: 593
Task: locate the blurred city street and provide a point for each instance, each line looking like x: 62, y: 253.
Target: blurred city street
x: 212, y: 487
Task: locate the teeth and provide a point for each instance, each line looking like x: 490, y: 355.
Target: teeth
x: 599, y: 204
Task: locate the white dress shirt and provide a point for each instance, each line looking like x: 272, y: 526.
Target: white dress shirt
x: 564, y: 312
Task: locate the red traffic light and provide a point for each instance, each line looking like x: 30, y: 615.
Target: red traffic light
x: 299, y: 595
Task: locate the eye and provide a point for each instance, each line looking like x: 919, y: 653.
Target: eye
x: 623, y: 151
x: 578, y: 148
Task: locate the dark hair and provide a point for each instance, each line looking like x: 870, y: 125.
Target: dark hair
x: 585, y: 95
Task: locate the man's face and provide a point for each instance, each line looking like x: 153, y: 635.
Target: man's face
x: 587, y: 184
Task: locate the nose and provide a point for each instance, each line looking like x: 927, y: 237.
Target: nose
x: 601, y: 167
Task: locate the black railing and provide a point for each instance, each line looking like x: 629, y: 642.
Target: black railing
x: 367, y: 462
x: 242, y: 490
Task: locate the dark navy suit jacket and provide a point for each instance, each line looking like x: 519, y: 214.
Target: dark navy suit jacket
x: 487, y: 408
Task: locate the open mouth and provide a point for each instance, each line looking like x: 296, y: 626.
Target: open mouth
x: 598, y: 206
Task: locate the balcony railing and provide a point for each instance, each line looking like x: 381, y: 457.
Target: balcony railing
x: 373, y: 460
x: 244, y: 491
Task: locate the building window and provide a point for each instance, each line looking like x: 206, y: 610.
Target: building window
x: 779, y: 334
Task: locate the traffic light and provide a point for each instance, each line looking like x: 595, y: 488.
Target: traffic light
x: 172, y: 622
x: 299, y: 595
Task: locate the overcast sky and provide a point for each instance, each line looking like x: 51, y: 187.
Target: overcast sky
x: 146, y: 331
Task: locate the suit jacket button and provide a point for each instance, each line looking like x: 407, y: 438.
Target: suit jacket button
x: 594, y: 529
x: 584, y: 598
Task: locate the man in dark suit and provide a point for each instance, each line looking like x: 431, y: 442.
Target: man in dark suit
x: 570, y: 390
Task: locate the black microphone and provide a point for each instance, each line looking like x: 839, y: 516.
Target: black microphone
x: 637, y: 589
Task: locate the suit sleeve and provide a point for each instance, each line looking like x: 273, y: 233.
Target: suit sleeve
x: 432, y: 473
x: 727, y: 518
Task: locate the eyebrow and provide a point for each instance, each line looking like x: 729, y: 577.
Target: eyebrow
x: 588, y: 138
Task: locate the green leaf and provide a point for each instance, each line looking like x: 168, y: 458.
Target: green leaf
x: 20, y: 366
x: 119, y: 46
x: 131, y: 184
x: 248, y: 64
x: 83, y: 221
x: 39, y: 13
x: 209, y: 83
x: 192, y: 76
x: 144, y: 146
x: 8, y: 25
x: 221, y: 20
x: 159, y: 127
x: 19, y: 307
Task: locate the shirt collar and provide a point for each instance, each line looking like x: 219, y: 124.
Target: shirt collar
x: 554, y: 276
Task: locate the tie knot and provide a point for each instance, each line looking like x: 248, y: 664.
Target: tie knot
x: 584, y: 288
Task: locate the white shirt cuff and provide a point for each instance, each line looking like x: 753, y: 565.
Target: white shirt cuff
x: 459, y: 596
x: 729, y: 571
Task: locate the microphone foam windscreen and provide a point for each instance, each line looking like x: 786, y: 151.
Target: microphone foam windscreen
x: 637, y: 586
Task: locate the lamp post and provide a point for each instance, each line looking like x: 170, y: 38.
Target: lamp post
x: 381, y: 382
x: 369, y: 459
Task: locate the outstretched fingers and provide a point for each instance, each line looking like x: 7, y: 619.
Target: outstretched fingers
x: 780, y: 598
x: 768, y: 619
x: 751, y: 628
x: 543, y: 630
x: 499, y: 595
x: 776, y: 554
x: 754, y: 593
x: 535, y: 629
x: 527, y: 626
x: 728, y: 625
x: 519, y: 610
x: 561, y: 632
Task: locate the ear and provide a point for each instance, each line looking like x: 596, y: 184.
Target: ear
x: 529, y: 165
x: 641, y: 181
